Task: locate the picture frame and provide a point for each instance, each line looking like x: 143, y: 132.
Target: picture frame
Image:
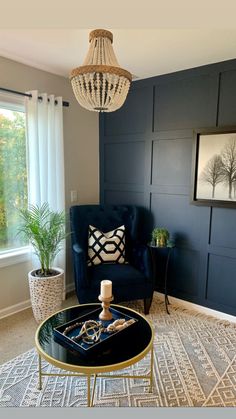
x: 214, y: 167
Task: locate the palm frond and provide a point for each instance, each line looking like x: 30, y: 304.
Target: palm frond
x: 45, y: 230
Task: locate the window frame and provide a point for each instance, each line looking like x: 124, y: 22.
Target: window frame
x: 20, y: 254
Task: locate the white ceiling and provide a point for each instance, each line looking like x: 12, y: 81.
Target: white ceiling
x: 144, y: 52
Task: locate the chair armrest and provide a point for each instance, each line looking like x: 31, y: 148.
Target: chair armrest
x: 141, y: 260
x: 80, y: 267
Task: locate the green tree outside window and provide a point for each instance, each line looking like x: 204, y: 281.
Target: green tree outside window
x: 13, y: 177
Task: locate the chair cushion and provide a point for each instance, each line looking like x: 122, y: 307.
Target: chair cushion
x: 106, y: 247
x: 120, y: 275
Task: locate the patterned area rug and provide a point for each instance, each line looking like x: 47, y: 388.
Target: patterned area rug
x: 194, y: 362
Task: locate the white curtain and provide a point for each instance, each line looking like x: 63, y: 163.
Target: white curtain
x: 44, y: 123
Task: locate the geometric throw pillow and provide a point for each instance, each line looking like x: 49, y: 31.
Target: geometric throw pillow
x: 106, y: 247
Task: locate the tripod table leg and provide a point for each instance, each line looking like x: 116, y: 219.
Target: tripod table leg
x: 40, y: 372
x: 88, y: 390
x: 151, y: 371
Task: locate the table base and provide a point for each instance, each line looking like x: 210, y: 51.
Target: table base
x: 90, y: 396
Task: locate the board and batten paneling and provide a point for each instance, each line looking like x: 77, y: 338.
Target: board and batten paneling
x: 227, y: 102
x: 185, y: 103
x: 132, y: 118
x: 120, y: 170
x: 146, y: 159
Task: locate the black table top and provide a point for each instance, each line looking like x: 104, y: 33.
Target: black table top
x: 131, y: 345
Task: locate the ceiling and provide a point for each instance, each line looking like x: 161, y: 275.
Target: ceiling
x: 144, y: 52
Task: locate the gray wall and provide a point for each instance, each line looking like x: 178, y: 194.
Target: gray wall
x: 81, y: 148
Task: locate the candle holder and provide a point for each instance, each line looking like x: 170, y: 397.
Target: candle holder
x: 105, y: 313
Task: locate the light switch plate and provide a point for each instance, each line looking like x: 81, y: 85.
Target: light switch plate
x: 73, y: 196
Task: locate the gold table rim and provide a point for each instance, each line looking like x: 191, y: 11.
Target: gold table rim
x: 93, y: 369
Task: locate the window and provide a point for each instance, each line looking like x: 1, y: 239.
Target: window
x: 13, y: 177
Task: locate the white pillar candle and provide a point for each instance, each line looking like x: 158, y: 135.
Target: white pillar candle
x: 106, y: 288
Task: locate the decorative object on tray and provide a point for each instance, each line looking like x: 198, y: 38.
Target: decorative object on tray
x: 90, y: 331
x: 106, y: 298
x: 88, y: 334
x: 119, y: 324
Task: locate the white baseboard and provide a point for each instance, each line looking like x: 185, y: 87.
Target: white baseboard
x: 204, y: 310
x: 8, y: 311
x: 70, y: 287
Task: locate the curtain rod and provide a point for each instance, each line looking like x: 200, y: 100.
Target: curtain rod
x: 29, y: 95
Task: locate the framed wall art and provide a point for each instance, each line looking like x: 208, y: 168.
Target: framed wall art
x: 214, y: 167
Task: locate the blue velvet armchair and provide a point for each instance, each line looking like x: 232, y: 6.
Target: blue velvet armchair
x: 130, y: 281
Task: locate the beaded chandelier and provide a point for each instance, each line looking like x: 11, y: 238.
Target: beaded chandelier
x: 100, y: 84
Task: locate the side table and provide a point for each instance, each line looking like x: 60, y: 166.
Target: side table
x: 167, y: 253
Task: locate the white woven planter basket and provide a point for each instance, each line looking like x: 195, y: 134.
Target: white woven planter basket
x: 46, y: 294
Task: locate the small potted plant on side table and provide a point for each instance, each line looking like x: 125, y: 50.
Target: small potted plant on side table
x: 160, y: 237
x: 45, y: 230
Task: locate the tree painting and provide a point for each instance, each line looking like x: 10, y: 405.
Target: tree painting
x: 212, y: 173
x: 229, y: 165
x: 220, y: 170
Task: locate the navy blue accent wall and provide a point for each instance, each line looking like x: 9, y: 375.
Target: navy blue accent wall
x: 146, y: 159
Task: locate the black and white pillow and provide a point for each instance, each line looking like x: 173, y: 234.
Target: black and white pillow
x: 106, y: 247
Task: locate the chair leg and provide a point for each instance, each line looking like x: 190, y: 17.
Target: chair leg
x: 147, y: 304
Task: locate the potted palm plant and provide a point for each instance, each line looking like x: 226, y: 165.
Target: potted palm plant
x: 45, y: 230
x: 160, y: 236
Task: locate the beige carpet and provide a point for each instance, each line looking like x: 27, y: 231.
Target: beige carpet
x: 195, y: 365
x: 21, y: 327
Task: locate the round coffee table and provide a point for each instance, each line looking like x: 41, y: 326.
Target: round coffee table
x: 132, y: 347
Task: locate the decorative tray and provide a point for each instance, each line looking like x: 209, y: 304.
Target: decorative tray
x: 66, y: 332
